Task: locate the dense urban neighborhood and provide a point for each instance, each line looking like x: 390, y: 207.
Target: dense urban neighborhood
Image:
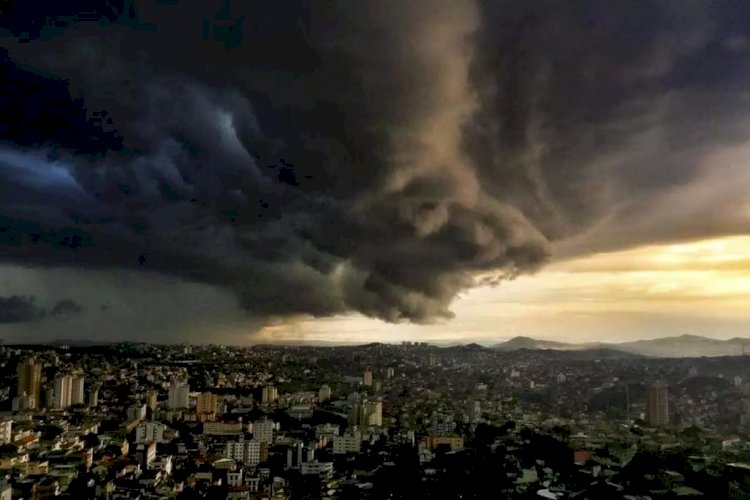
x: 374, y: 421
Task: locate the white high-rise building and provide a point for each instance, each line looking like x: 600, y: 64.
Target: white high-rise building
x: 324, y: 393
x: 373, y: 411
x: 263, y: 431
x: 6, y: 431
x: 63, y: 392
x: 77, y: 396
x: 351, y: 442
x: 29, y: 382
x: 150, y: 431
x: 270, y: 394
x: 179, y: 396
x: 137, y: 411
x: 93, y: 397
x: 657, y: 404
x: 367, y: 414
x: 247, y: 452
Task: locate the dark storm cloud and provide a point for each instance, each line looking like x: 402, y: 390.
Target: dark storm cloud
x: 320, y: 158
x: 66, y: 307
x: 22, y: 309
x: 19, y: 309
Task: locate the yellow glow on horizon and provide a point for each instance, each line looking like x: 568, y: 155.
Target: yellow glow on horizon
x: 700, y: 287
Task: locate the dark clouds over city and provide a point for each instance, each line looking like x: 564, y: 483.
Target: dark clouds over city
x: 322, y: 158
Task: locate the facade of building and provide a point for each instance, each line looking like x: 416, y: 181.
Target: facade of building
x: 30, y: 380
x: 152, y: 398
x: 270, y: 394
x: 324, y: 393
x: 6, y: 432
x: 247, y: 452
x: 351, y: 442
x: 454, y: 442
x: 93, y: 397
x: 222, y: 428
x: 77, y: 394
x: 657, y: 405
x: 263, y: 431
x: 63, y: 392
x: 207, y: 403
x: 367, y: 378
x: 317, y: 468
x: 136, y: 411
x: 179, y: 396
x: 367, y: 414
x: 150, y: 431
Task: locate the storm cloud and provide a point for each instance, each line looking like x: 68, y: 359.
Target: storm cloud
x: 320, y: 158
x: 22, y: 309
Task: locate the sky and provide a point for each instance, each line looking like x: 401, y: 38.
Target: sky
x: 437, y: 170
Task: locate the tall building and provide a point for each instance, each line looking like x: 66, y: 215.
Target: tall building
x: 657, y: 405
x: 150, y: 431
x: 432, y: 359
x: 207, y: 403
x: 93, y: 397
x: 63, y: 392
x: 77, y: 396
x: 136, y: 411
x: 21, y: 403
x: 324, y: 393
x: 263, y: 431
x: 152, y: 399
x: 367, y: 378
x: 6, y: 434
x: 179, y: 396
x: 390, y: 372
x: 373, y: 413
x: 270, y: 394
x: 351, y: 442
x: 442, y: 424
x: 367, y: 414
x: 247, y: 452
x: 29, y: 380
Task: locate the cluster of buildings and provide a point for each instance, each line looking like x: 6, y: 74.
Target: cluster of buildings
x: 144, y: 421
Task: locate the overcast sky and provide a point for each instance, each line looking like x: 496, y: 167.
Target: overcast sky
x: 438, y: 170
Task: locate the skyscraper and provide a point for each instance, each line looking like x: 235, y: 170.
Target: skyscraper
x: 367, y: 378
x: 179, y: 396
x: 657, y: 405
x: 366, y: 414
x: 63, y: 392
x: 207, y: 403
x: 29, y: 380
x: 324, y: 393
x: 152, y: 399
x: 263, y: 430
x: 93, y: 397
x: 270, y: 394
x: 78, y: 396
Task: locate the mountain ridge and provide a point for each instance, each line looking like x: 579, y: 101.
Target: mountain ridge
x: 681, y: 346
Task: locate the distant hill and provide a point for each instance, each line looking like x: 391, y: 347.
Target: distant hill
x: 684, y: 346
x: 517, y: 343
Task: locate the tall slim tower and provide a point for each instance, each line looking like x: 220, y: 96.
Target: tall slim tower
x: 657, y: 405
x: 29, y: 380
x: 63, y: 392
x: 78, y: 396
x: 367, y: 378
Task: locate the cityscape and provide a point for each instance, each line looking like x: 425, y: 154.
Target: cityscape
x: 375, y: 249
x: 407, y: 420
